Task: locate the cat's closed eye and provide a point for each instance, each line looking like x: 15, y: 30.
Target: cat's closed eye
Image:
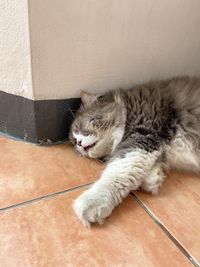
x: 95, y: 122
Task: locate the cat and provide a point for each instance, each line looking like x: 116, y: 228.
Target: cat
x: 140, y: 132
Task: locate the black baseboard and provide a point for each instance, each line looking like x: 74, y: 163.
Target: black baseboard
x: 36, y: 121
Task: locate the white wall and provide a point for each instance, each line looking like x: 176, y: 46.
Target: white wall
x: 95, y: 44
x: 15, y: 67
x: 102, y: 44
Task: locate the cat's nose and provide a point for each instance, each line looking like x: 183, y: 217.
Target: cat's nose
x: 79, y: 142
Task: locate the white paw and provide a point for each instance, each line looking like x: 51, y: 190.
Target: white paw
x: 91, y: 208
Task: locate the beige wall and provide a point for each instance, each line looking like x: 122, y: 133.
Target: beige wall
x: 101, y: 44
x: 95, y: 44
x: 15, y: 67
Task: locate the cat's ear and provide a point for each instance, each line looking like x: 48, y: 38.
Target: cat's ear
x: 88, y: 98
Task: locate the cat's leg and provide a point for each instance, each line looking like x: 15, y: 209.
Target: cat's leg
x: 122, y: 175
x: 154, y: 180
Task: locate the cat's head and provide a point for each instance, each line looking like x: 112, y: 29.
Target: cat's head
x: 99, y: 124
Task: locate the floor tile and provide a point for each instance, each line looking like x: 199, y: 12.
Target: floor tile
x: 28, y: 171
x: 47, y: 233
x: 177, y: 206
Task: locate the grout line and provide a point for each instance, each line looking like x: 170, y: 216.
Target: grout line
x: 166, y: 231
x: 49, y: 196
x: 146, y: 209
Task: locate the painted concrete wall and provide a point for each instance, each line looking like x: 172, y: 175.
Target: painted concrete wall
x: 15, y: 67
x: 95, y: 44
x: 100, y: 44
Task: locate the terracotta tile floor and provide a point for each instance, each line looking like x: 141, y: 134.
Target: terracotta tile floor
x: 28, y: 171
x: 39, y: 229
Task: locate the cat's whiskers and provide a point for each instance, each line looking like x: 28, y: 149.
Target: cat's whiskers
x: 70, y: 117
x: 73, y: 116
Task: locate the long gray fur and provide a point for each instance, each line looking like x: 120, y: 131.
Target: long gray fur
x: 142, y: 130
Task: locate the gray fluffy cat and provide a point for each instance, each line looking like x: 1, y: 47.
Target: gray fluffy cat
x: 140, y: 131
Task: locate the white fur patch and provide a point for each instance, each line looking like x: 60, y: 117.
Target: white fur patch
x: 121, y: 176
x: 154, y: 179
x: 181, y: 154
x: 117, y: 137
x: 86, y: 140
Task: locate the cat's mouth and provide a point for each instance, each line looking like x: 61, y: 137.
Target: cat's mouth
x: 84, y: 143
x: 86, y: 148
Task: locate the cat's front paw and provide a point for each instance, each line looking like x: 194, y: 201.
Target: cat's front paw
x: 91, y: 208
